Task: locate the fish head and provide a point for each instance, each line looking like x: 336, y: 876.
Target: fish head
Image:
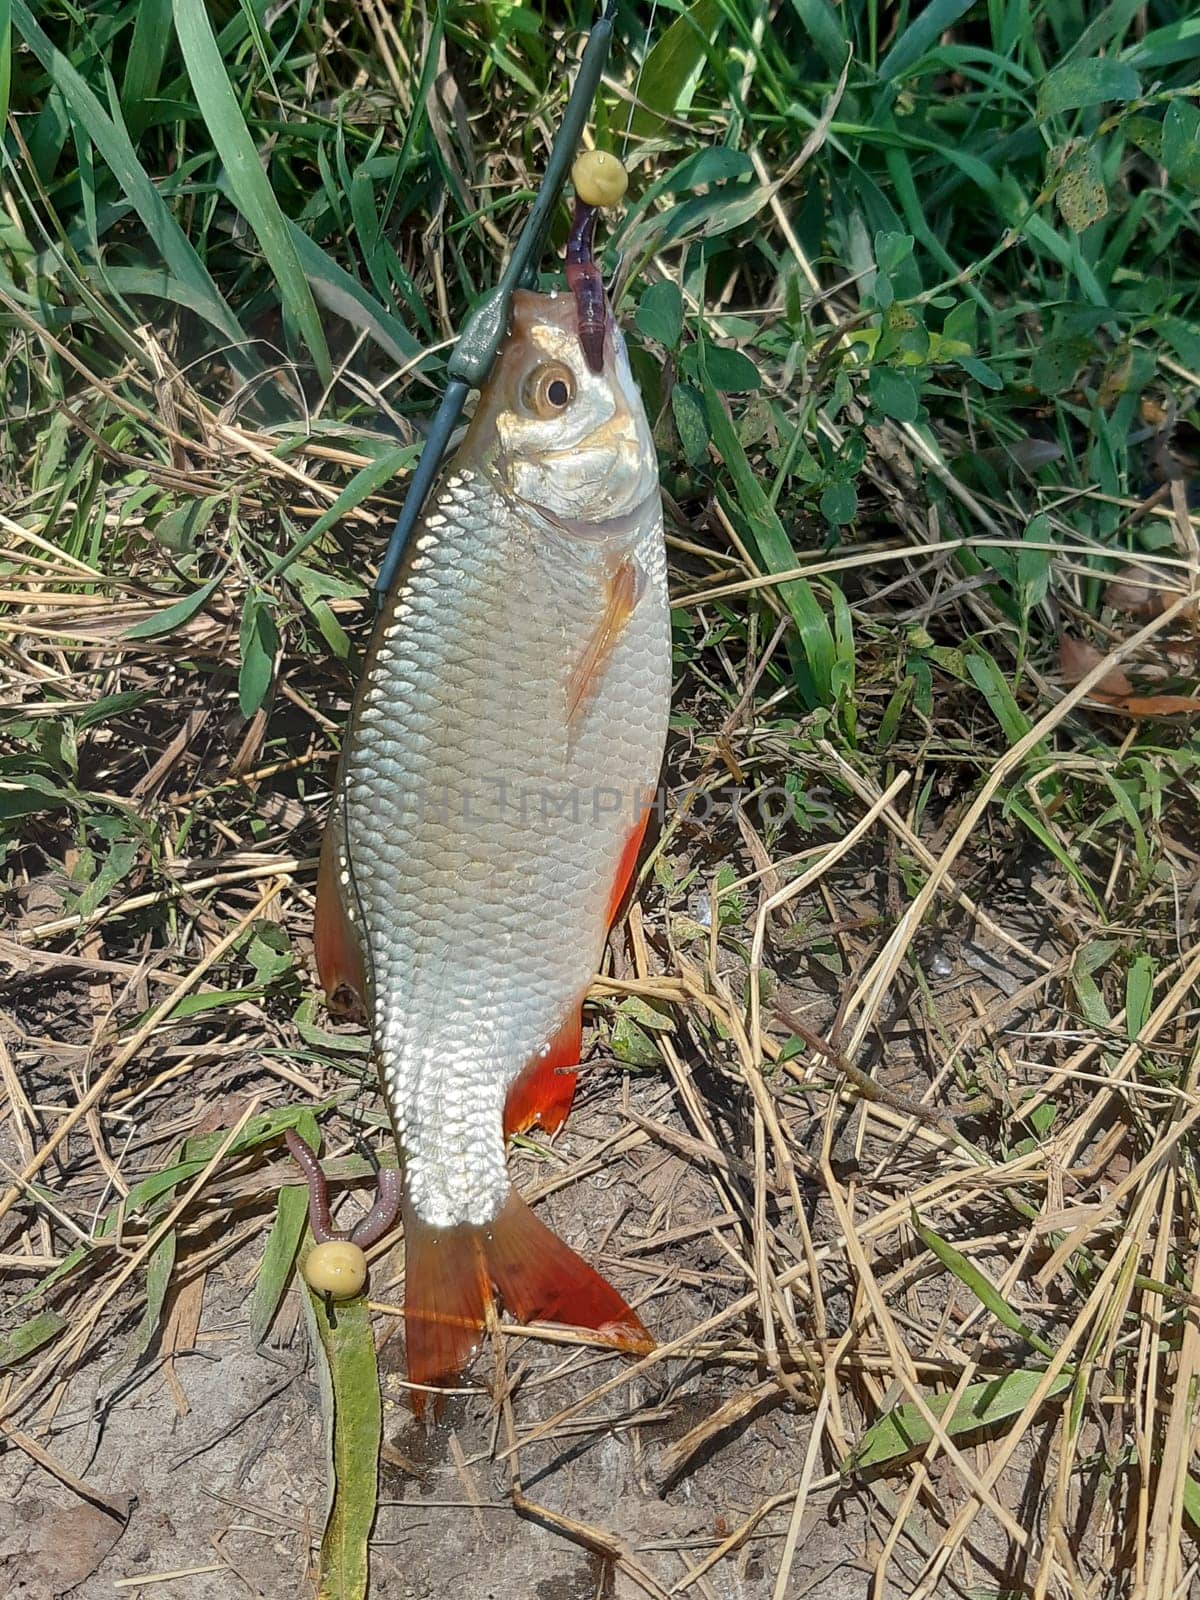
x: 571, y: 443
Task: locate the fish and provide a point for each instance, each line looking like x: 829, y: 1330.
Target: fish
x: 497, y: 776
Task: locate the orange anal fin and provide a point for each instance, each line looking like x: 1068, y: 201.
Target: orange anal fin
x: 543, y: 1093
x: 339, y: 957
x: 446, y: 1296
x: 626, y: 584
x: 542, y: 1279
x: 625, y: 867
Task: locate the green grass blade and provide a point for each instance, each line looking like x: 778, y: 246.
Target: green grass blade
x: 250, y: 185
x: 111, y: 139
x: 291, y: 1208
x: 175, y: 615
x: 258, y: 1131
x: 993, y: 686
x: 821, y: 23
x: 904, y: 1431
x: 158, y: 1281
x: 364, y: 482
x: 1139, y: 994
x: 969, y: 1275
x: 345, y: 297
x: 352, y: 1409
x: 5, y: 62
x: 21, y: 1343
x: 775, y: 551
x: 922, y: 32
x: 144, y: 64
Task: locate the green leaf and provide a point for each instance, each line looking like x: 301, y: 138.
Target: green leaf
x: 353, y: 1044
x: 1086, y: 83
x: 21, y: 1342
x: 174, y: 616
x: 250, y: 185
x: 659, y: 315
x: 921, y: 33
x: 820, y: 21
x: 730, y: 371
x: 994, y: 687
x: 158, y: 1280
x: 1184, y: 339
x: 644, y: 1013
x: 1139, y: 994
x: 631, y: 1044
x: 269, y: 953
x: 353, y: 1415
x: 25, y: 794
x: 980, y: 1286
x: 1181, y: 144
x: 904, y: 1431
x: 839, y: 504
x: 114, y: 869
x: 691, y: 419
x: 1081, y: 195
x: 672, y: 69
x: 291, y: 1209
x: 259, y: 642
x: 895, y: 394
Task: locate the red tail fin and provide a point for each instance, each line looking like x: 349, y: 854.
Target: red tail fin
x: 449, y: 1273
x: 446, y: 1295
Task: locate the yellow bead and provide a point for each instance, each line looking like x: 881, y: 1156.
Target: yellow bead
x: 338, y: 1269
x: 599, y: 178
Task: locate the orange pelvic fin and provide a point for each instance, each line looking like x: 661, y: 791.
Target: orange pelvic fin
x: 449, y: 1276
x: 543, y: 1093
x: 338, y: 953
x: 626, y: 583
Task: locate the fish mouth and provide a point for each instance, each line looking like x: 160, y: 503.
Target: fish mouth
x: 561, y: 309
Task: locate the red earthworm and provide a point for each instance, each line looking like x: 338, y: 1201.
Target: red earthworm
x: 586, y: 284
x: 383, y: 1213
x: 371, y: 1227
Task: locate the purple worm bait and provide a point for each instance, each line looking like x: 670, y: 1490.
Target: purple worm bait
x: 369, y: 1228
x: 586, y: 284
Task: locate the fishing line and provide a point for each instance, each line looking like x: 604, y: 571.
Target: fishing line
x: 637, y: 82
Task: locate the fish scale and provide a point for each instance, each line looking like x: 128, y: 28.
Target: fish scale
x: 505, y: 741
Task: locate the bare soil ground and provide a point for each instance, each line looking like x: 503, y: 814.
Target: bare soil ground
x: 715, y: 1467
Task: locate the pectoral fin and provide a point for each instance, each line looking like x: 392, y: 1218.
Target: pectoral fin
x: 625, y: 587
x: 336, y: 944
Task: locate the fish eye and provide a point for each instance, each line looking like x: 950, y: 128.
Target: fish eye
x: 548, y: 390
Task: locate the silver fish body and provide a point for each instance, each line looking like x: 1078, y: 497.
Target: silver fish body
x: 501, y: 760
